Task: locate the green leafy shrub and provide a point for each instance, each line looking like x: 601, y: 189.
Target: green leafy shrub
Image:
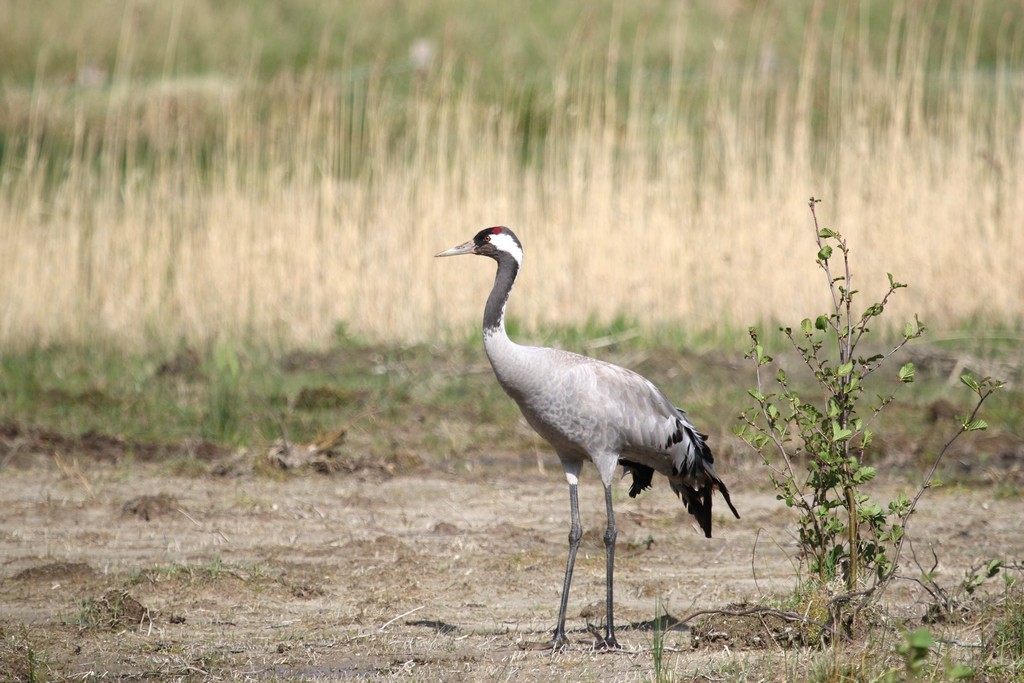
x: 813, y: 445
x: 841, y: 529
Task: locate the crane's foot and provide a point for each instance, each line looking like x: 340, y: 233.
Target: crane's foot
x: 604, y: 642
x: 558, y: 640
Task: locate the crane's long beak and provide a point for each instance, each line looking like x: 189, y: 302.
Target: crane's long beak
x: 464, y: 248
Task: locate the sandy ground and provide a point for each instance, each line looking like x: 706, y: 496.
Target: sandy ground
x: 127, y: 570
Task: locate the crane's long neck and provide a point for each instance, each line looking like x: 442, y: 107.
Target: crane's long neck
x: 508, y: 359
x: 494, y: 311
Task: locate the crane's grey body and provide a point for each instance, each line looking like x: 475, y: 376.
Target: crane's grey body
x: 591, y: 410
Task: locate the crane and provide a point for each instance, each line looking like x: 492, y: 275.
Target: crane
x: 590, y: 410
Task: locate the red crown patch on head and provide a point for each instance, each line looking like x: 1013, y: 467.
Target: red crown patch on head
x: 495, y: 231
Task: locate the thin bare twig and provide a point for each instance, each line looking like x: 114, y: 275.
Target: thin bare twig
x: 403, y: 614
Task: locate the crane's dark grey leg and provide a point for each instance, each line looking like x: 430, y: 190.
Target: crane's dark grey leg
x: 558, y: 639
x: 609, y: 546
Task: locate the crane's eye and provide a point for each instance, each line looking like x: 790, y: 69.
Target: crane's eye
x: 487, y: 238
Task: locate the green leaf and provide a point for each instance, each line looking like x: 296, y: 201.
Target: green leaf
x: 825, y: 253
x: 920, y: 639
x: 756, y: 395
x: 976, y: 426
x: 970, y: 382
x: 893, y: 285
x: 825, y: 233
x: 906, y: 373
x: 805, y: 326
x: 845, y: 369
x: 869, y: 510
x: 839, y: 433
x: 993, y: 567
x: 864, y: 474
x: 821, y: 322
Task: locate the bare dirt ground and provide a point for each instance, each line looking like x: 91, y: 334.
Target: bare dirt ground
x: 115, y: 565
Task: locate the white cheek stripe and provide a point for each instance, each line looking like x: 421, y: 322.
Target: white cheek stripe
x: 505, y: 243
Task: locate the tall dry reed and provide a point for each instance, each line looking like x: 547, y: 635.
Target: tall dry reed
x: 317, y: 201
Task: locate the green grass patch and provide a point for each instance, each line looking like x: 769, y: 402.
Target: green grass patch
x: 439, y: 403
x: 21, y: 656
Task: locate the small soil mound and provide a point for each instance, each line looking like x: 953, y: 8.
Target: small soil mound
x: 115, y: 609
x: 148, y: 507
x: 55, y: 571
x: 741, y: 627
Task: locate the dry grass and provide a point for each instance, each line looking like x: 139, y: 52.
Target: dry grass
x: 202, y: 209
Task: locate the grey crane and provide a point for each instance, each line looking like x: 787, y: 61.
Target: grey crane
x: 591, y: 410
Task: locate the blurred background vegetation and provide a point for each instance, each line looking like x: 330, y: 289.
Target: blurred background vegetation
x: 515, y: 56
x: 191, y: 169
x: 510, y: 46
x: 200, y: 180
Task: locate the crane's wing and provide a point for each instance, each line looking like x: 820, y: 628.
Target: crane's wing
x: 654, y: 435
